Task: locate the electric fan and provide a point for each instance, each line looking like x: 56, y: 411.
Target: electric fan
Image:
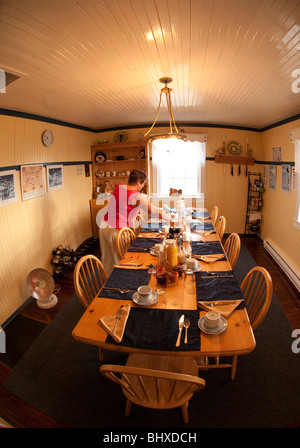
x: 40, y: 284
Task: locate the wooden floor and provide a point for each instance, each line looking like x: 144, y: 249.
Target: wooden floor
x: 20, y: 415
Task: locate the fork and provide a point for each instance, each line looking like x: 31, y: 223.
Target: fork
x: 118, y: 317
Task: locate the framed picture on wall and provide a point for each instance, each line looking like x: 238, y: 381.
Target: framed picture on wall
x: 55, y: 180
x: 8, y: 193
x: 32, y: 181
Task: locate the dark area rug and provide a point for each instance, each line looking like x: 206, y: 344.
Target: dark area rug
x: 60, y: 377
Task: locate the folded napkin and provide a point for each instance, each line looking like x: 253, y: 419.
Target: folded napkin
x: 113, y: 326
x: 210, y: 258
x: 157, y: 329
x: 124, y: 278
x: 213, y: 289
x: 143, y: 244
x: 224, y: 309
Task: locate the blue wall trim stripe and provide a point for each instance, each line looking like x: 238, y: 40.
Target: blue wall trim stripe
x: 17, y: 167
x: 88, y: 162
x: 14, y: 113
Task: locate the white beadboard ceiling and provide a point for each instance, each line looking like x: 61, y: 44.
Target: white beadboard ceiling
x: 97, y: 63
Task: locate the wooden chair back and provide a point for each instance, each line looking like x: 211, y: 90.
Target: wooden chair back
x: 257, y: 289
x: 89, y: 276
x: 137, y: 224
x: 155, y: 388
x: 232, y: 248
x: 214, y: 214
x: 125, y: 238
x: 220, y: 226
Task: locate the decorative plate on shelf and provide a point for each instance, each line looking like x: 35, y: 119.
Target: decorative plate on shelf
x: 141, y: 154
x: 100, y: 157
x: 121, y: 136
x: 234, y: 147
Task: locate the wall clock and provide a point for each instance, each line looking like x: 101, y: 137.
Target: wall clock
x: 47, y: 138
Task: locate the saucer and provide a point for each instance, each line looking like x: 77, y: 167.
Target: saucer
x: 153, y: 252
x: 220, y: 328
x: 153, y: 299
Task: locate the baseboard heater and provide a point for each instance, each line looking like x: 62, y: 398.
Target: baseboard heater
x: 290, y: 272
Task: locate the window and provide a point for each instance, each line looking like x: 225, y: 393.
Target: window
x: 179, y: 165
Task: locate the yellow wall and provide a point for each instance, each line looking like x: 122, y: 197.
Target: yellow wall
x: 31, y: 229
x: 279, y: 207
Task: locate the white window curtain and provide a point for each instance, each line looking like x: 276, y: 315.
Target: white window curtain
x: 180, y: 165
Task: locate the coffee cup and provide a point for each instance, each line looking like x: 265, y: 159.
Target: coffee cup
x: 165, y: 229
x: 145, y: 293
x: 212, y: 320
x: 107, y: 174
x: 191, y: 263
x: 114, y: 173
x: 127, y: 173
x: 158, y: 247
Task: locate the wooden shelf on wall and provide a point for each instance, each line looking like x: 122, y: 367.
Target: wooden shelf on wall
x: 236, y: 160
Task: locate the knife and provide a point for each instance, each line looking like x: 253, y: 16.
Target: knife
x: 181, y: 322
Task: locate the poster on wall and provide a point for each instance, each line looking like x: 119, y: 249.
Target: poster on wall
x: 32, y: 181
x: 8, y: 193
x: 272, y: 177
x: 294, y: 179
x: 266, y: 176
x: 277, y: 154
x: 55, y: 178
x: 286, y: 178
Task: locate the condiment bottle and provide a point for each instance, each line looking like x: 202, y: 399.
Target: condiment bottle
x: 172, y: 252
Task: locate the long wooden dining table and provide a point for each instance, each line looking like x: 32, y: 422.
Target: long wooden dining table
x: 154, y: 328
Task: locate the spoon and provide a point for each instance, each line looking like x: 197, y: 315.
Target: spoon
x: 186, y: 326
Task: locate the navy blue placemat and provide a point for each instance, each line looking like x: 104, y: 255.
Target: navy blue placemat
x: 157, y: 329
x: 200, y: 214
x: 143, y: 244
x: 153, y: 227
x: 207, y: 248
x: 124, y: 278
x: 205, y: 226
x: 209, y: 288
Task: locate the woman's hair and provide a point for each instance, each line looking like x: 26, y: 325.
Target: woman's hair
x: 137, y: 175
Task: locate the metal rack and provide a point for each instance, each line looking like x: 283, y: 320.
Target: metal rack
x: 254, y: 204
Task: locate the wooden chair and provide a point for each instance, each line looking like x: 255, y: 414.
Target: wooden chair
x: 89, y: 276
x: 214, y: 214
x: 232, y: 248
x: 137, y: 224
x: 124, y: 239
x: 257, y: 289
x: 220, y: 226
x: 158, y: 382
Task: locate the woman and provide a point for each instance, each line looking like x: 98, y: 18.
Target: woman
x: 124, y: 204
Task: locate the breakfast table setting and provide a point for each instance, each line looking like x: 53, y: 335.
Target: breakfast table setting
x: 199, y: 311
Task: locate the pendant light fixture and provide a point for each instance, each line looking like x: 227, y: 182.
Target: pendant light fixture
x: 174, y: 132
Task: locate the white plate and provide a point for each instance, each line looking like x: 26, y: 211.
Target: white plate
x: 153, y: 252
x: 222, y: 326
x: 153, y: 299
